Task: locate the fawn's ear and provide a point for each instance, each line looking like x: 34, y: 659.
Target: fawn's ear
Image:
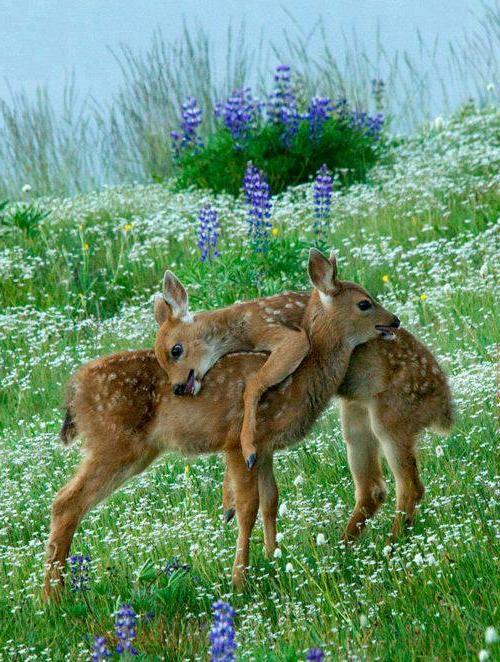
x: 323, y: 271
x: 176, y: 297
x: 162, y: 310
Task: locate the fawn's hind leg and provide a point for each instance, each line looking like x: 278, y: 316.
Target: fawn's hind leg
x: 268, y: 499
x: 363, y: 452
x: 288, y: 348
x: 228, y: 497
x: 246, y: 494
x: 96, y: 478
x: 398, y: 443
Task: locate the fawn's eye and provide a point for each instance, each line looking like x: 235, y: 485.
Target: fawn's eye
x: 176, y: 351
x: 364, y: 305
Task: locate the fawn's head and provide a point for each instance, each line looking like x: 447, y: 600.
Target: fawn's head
x: 182, y: 343
x: 358, y: 315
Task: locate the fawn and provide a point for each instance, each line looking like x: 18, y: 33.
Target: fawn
x: 187, y: 347
x: 121, y: 406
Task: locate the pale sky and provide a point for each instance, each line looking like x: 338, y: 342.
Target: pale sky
x: 43, y: 41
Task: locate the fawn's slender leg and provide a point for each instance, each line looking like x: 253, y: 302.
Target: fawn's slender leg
x: 398, y: 444
x: 288, y: 348
x: 227, y: 497
x: 246, y: 493
x: 268, y: 498
x: 96, y: 478
x: 363, y: 452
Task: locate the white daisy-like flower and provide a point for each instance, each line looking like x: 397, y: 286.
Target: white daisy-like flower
x: 491, y: 635
x: 439, y: 451
x: 298, y: 481
x: 289, y: 567
x: 277, y: 553
x: 320, y: 539
x: 26, y: 188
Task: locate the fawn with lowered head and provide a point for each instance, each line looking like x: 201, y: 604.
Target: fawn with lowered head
x: 187, y: 347
x: 128, y: 416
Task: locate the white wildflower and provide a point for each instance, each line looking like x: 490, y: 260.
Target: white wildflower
x: 26, y: 188
x: 491, y: 635
x: 363, y: 621
x: 320, y: 539
x: 490, y: 87
x: 279, y: 537
x: 277, y: 553
x: 483, y: 655
x: 438, y: 123
x: 447, y: 289
x: 483, y: 272
x: 289, y: 567
x: 282, y: 510
x: 439, y: 451
x: 419, y: 559
x: 298, y: 481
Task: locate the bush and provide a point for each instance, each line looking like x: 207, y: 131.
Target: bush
x: 287, y: 142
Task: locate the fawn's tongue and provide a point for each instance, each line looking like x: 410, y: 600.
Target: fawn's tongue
x: 190, y: 383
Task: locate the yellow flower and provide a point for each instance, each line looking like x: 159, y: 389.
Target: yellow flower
x: 80, y: 227
x: 86, y: 247
x: 275, y: 232
x: 128, y: 226
x: 186, y: 470
x: 385, y: 278
x: 423, y: 297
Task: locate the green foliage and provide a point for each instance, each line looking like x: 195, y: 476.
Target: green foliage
x: 23, y: 216
x: 221, y: 163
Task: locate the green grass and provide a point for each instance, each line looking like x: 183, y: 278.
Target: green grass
x: 429, y: 223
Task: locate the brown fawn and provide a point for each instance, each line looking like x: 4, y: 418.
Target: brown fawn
x: 391, y: 391
x: 187, y: 347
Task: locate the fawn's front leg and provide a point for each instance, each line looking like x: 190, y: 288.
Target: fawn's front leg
x: 288, y: 348
x: 246, y: 495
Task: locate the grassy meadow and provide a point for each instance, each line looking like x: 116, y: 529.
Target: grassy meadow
x: 423, y: 236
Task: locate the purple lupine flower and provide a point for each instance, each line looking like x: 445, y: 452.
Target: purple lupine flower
x: 190, y: 121
x: 126, y: 629
x: 258, y: 198
x: 239, y: 113
x: 208, y: 234
x: 79, y: 566
x: 322, y: 195
x: 370, y: 126
x: 100, y: 650
x: 222, y: 634
x: 282, y: 103
x: 315, y: 655
x: 174, y: 565
x: 320, y: 109
x: 378, y: 93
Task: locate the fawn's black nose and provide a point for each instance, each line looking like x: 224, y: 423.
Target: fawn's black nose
x: 179, y: 389
x: 396, y: 322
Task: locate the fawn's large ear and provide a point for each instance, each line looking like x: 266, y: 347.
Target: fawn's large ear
x: 176, y: 297
x: 323, y: 271
x: 162, y: 309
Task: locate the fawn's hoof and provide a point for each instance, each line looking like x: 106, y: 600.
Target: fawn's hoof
x: 229, y: 514
x: 251, y: 460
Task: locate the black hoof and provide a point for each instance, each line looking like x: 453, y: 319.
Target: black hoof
x: 252, y: 459
x: 229, y: 514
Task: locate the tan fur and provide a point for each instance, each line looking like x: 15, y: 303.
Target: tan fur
x: 260, y: 326
x: 140, y: 417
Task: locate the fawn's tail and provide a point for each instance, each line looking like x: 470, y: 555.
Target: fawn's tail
x: 68, y: 431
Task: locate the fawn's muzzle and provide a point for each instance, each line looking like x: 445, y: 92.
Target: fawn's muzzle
x: 188, y: 388
x: 396, y: 322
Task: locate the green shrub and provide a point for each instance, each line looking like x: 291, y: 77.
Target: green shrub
x: 289, y: 140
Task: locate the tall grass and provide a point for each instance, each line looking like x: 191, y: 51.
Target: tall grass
x: 85, y: 144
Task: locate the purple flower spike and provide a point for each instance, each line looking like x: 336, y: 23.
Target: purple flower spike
x: 190, y: 121
x: 315, y: 655
x: 320, y: 110
x: 100, y: 650
x: 79, y: 566
x: 222, y: 634
x: 282, y: 105
x: 126, y: 630
x: 322, y: 195
x: 258, y: 198
x: 239, y: 113
x: 208, y: 234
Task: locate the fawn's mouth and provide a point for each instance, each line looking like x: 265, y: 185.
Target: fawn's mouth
x: 387, y: 332
x: 192, y: 385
